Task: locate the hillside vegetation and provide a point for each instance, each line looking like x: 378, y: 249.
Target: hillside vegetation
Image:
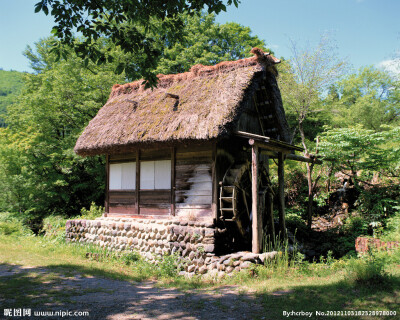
x: 11, y: 83
x: 349, y: 120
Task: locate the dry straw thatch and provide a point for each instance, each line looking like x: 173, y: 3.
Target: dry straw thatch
x: 195, y: 105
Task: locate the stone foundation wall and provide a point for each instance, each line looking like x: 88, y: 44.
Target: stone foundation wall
x: 195, y: 242
x: 364, y: 244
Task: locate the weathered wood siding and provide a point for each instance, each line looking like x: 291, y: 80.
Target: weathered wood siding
x: 121, y: 201
x: 155, y: 202
x: 191, y: 192
x: 193, y: 181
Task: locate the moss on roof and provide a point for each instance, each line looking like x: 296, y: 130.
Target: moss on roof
x: 195, y: 105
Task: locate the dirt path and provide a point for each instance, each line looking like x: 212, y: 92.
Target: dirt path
x: 48, y: 290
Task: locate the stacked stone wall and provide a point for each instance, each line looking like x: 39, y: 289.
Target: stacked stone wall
x: 194, y: 242
x: 365, y: 244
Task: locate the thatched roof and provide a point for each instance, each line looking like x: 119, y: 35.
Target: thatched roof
x: 200, y: 104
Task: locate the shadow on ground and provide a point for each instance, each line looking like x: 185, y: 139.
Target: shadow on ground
x: 73, y: 288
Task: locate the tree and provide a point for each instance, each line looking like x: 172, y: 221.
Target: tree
x: 137, y: 27
x: 10, y: 86
x: 304, y: 79
x: 206, y: 42
x: 358, y: 152
x: 372, y: 161
x: 370, y: 97
x: 39, y: 172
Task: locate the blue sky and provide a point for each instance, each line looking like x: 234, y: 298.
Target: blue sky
x: 366, y: 32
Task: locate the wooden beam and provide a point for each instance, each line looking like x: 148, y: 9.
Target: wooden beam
x: 137, y: 185
x: 173, y: 163
x: 256, y: 213
x: 215, y: 185
x: 269, y: 203
x: 296, y: 157
x: 107, y: 200
x: 267, y: 142
x: 267, y: 146
x: 258, y: 114
x: 281, y: 195
x: 291, y: 156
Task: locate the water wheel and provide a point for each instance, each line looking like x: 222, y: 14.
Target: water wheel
x: 235, y: 200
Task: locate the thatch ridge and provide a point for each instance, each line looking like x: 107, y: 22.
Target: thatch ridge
x: 198, y: 105
x: 198, y: 70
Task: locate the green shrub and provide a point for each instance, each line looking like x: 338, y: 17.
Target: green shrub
x: 130, y: 257
x: 12, y: 224
x: 54, y: 227
x: 356, y: 225
x: 295, y: 223
x: 286, y: 256
x: 94, y: 212
x: 392, y: 232
x: 168, y: 265
x: 369, y: 269
x: 378, y: 203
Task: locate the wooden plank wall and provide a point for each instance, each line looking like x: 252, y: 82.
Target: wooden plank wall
x: 155, y: 202
x: 121, y: 201
x: 193, y: 176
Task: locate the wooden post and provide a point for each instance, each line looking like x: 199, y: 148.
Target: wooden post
x: 107, y: 200
x: 214, y: 182
x: 281, y: 195
x: 256, y: 214
x: 270, y: 206
x: 137, y: 204
x: 173, y: 181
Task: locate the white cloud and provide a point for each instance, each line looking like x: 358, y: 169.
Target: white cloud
x: 392, y: 66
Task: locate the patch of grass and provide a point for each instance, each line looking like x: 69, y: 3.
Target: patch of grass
x: 369, y: 269
x: 11, y: 224
x: 306, y: 286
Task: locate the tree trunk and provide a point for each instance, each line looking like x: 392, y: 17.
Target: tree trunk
x: 310, y: 168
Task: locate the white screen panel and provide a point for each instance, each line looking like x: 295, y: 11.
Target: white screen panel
x: 147, y: 175
x: 162, y: 174
x: 128, y: 179
x: 115, y: 176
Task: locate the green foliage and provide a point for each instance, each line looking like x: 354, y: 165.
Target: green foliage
x: 286, y: 254
x: 392, y: 232
x: 39, y: 171
x: 54, y: 228
x: 138, y: 28
x: 11, y: 83
x: 206, y: 42
x: 168, y: 265
x: 304, y: 79
x: 93, y: 212
x: 54, y: 225
x: 295, y: 223
x: 370, y: 97
x: 356, y: 149
x: 356, y: 226
x: 12, y: 225
x: 130, y: 257
x: 368, y: 270
x: 378, y: 203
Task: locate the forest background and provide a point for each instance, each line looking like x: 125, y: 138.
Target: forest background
x: 350, y: 120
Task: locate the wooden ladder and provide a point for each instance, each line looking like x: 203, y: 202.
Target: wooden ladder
x: 227, y: 202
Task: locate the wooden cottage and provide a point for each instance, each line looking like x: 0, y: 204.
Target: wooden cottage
x: 196, y: 147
